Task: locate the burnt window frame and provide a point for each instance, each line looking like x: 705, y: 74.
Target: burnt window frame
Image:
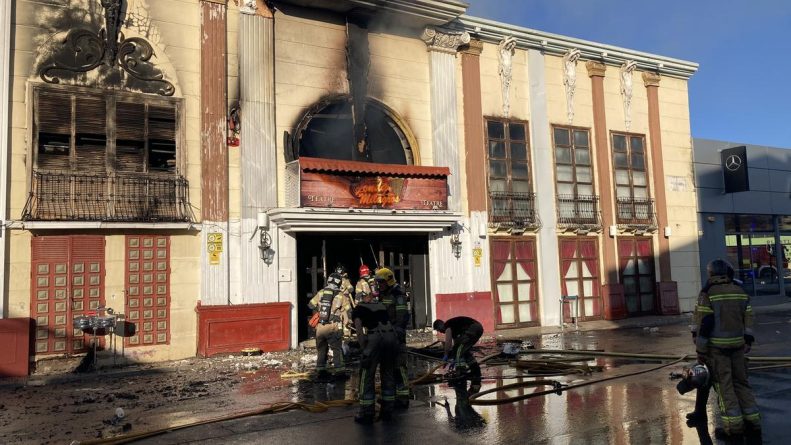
x: 409, y: 144
x: 630, y: 166
x: 111, y: 100
x: 576, y: 195
x: 507, y: 140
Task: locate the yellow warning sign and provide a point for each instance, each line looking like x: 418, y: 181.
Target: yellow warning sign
x: 214, y: 247
x: 477, y: 253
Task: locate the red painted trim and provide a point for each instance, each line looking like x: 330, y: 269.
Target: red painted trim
x: 222, y: 329
x: 16, y: 336
x: 477, y: 305
x: 668, y: 298
x: 334, y: 165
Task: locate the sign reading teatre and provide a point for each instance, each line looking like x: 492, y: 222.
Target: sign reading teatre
x: 324, y: 189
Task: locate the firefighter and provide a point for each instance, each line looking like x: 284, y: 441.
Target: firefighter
x: 379, y: 343
x: 461, y: 334
x: 391, y: 295
x: 724, y: 319
x: 365, y: 285
x: 333, y: 314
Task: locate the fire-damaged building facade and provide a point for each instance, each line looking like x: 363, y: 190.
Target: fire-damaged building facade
x: 202, y: 166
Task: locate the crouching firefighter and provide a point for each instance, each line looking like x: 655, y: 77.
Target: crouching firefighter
x: 333, y: 312
x: 379, y: 344
x: 724, y: 319
x: 391, y: 295
x: 461, y: 334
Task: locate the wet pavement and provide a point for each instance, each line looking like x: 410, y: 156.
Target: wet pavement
x: 643, y: 409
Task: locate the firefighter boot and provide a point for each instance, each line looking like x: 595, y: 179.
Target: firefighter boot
x: 386, y: 412
x: 365, y: 415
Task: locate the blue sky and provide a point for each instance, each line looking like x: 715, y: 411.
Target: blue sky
x: 742, y: 90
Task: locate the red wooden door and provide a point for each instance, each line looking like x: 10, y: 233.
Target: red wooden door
x: 579, y: 275
x: 67, y: 280
x: 148, y: 288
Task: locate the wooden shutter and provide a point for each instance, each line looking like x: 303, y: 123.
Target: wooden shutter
x: 90, y: 128
x: 130, y: 137
x: 162, y: 138
x: 53, y: 130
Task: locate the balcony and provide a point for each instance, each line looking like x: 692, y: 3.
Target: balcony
x: 579, y: 213
x: 636, y: 213
x: 72, y: 196
x: 513, y: 210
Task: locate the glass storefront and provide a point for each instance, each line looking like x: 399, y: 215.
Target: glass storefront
x: 752, y: 249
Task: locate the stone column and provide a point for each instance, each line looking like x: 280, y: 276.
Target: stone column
x: 612, y: 296
x: 442, y: 47
x: 258, y: 148
x: 651, y: 81
x: 544, y: 162
x: 214, y: 153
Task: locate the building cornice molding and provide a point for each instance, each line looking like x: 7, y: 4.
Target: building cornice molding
x: 99, y: 225
x: 493, y: 32
x: 415, y: 13
x: 444, y: 41
x: 300, y: 219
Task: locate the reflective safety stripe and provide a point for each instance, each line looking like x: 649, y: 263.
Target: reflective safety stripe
x: 366, y: 402
x: 388, y: 398
x: 705, y: 309
x: 722, y: 297
x: 727, y: 341
x: 753, y: 418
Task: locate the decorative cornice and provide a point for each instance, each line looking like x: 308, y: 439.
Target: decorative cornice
x: 595, y: 69
x: 651, y: 79
x: 444, y: 41
x: 492, y: 32
x: 474, y: 47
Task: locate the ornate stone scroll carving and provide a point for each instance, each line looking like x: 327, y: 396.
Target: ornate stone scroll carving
x: 256, y: 7
x: 442, y: 41
x: 626, y: 90
x: 570, y: 80
x: 83, y: 50
x: 505, y: 53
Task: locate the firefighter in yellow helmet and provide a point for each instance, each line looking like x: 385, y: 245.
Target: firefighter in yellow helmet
x: 394, y: 299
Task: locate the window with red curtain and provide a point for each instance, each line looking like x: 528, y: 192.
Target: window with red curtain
x: 579, y: 259
x: 515, y: 281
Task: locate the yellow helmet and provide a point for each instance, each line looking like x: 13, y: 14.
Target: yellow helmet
x: 386, y: 275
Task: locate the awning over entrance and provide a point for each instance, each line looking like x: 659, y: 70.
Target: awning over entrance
x: 361, y: 220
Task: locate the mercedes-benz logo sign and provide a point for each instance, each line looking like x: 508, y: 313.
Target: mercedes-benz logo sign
x: 733, y: 163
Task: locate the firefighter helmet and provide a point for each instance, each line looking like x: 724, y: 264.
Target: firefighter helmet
x: 364, y: 271
x: 334, y: 280
x: 720, y: 267
x: 386, y: 276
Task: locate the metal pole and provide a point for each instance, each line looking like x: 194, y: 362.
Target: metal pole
x: 781, y: 286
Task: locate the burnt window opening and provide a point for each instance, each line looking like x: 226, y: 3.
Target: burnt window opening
x: 78, y: 130
x: 327, y: 132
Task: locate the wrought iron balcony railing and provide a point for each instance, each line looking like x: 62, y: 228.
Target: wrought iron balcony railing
x: 578, y: 212
x: 120, y: 197
x: 636, y: 212
x: 517, y: 210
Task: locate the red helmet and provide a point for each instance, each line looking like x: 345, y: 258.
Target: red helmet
x: 364, y: 270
